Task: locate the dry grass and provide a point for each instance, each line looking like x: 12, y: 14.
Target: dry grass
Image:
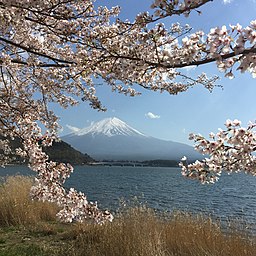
x: 136, y: 231
x: 141, y: 232
x: 17, y: 208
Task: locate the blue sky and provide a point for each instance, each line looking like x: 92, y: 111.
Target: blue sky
x: 196, y: 110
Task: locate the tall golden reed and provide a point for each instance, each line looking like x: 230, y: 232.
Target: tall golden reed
x: 17, y: 208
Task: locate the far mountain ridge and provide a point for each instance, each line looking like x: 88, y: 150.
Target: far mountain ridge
x: 113, y: 139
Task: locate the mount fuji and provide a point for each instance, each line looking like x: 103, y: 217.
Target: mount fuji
x: 113, y: 139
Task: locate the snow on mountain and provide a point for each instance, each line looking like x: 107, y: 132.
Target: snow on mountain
x: 113, y: 139
x: 109, y: 127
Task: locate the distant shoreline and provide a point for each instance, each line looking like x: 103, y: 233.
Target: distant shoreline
x: 147, y: 163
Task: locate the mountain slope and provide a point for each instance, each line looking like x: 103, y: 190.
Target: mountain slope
x: 58, y: 152
x: 113, y: 139
x: 62, y: 152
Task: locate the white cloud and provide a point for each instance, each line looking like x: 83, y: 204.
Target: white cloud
x: 73, y: 128
x: 152, y: 116
x: 227, y: 1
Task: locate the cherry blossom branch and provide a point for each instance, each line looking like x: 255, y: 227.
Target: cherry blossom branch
x: 231, y: 150
x: 27, y: 49
x: 155, y: 64
x: 192, y: 63
x: 167, y: 10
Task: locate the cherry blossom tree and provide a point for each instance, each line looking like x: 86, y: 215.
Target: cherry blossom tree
x: 53, y: 51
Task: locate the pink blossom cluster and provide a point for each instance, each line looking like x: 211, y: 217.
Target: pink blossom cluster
x: 222, y: 41
x: 51, y: 176
x: 231, y: 150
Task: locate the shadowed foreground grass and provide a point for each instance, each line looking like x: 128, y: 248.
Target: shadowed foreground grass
x: 30, y: 228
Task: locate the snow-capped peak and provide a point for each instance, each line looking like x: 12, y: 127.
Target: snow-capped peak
x: 109, y: 127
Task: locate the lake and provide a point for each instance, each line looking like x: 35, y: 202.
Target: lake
x: 164, y: 189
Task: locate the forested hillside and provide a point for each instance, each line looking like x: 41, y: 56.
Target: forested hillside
x: 58, y: 152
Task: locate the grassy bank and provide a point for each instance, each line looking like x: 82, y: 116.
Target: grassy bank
x: 30, y: 228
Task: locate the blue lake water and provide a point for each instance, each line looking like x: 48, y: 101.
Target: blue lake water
x: 232, y: 197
